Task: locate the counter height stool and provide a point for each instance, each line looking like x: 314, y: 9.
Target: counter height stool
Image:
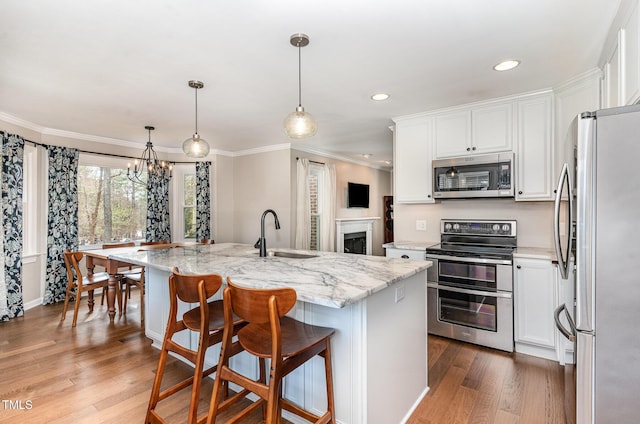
x: 269, y: 334
x: 207, y: 319
x: 81, y: 283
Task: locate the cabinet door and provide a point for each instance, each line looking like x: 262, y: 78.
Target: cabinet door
x: 534, y: 156
x: 492, y: 128
x: 412, y: 161
x: 629, y: 35
x: 535, y: 302
x: 453, y: 134
x: 612, y: 79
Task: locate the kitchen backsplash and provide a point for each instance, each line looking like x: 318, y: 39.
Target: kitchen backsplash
x: 535, y: 219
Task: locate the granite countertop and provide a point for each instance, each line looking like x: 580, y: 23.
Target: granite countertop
x: 329, y: 279
x: 410, y: 245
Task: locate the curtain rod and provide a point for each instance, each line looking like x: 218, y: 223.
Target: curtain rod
x: 313, y: 161
x: 35, y: 143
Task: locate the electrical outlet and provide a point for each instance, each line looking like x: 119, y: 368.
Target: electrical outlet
x: 399, y: 293
x: 421, y: 225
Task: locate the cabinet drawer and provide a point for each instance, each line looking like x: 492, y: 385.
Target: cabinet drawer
x: 393, y: 252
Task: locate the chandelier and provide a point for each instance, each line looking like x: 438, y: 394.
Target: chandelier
x: 148, y: 163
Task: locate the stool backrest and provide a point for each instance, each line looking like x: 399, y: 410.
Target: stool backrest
x: 114, y: 245
x: 186, y: 285
x: 252, y: 305
x: 151, y: 243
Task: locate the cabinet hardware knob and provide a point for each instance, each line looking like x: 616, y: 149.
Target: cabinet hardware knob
x: 429, y: 196
x: 518, y: 266
x: 405, y: 256
x: 555, y: 191
x: 519, y: 192
x: 468, y: 149
x: 473, y: 148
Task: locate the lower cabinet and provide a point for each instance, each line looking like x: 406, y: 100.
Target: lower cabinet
x: 535, y: 299
x: 394, y: 252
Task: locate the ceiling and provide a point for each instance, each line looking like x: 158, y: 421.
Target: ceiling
x: 107, y: 68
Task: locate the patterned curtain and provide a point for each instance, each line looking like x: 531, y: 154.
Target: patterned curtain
x: 62, y: 225
x: 158, y: 220
x: 11, y: 303
x: 203, y: 201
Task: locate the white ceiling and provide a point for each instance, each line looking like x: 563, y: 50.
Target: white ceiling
x: 109, y: 67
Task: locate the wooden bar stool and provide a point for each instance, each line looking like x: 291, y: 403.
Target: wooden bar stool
x: 207, y: 319
x: 269, y: 334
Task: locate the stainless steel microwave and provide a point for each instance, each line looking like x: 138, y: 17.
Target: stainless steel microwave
x: 474, y: 176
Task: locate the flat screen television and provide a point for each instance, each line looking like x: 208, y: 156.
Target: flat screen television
x: 357, y: 195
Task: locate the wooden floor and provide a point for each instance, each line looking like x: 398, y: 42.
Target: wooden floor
x: 101, y: 373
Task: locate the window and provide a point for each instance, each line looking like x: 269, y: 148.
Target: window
x: 315, y: 188
x: 189, y: 206
x: 111, y: 208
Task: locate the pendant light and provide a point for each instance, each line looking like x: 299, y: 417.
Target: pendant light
x: 149, y: 163
x: 300, y: 124
x: 194, y: 146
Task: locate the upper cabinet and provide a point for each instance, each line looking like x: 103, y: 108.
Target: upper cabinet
x: 412, y: 154
x: 534, y: 148
x: 622, y: 61
x: 474, y: 130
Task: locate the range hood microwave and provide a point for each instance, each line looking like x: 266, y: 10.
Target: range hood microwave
x: 474, y: 176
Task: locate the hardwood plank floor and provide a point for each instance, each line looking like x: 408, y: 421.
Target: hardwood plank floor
x: 474, y: 385
x: 101, y: 373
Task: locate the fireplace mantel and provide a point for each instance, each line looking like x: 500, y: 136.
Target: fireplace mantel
x: 354, y: 225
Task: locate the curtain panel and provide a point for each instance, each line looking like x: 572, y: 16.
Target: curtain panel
x: 62, y: 218
x: 11, y: 301
x: 203, y: 201
x: 303, y: 208
x: 158, y: 219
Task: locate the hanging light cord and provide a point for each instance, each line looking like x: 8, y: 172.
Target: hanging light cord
x: 196, y: 110
x: 299, y: 76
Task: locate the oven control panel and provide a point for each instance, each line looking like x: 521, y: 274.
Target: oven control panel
x: 484, y: 227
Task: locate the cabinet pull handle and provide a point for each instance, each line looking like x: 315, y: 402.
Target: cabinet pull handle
x: 405, y: 256
x: 518, y: 266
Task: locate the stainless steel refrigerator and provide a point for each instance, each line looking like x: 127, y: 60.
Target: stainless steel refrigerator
x: 601, y: 231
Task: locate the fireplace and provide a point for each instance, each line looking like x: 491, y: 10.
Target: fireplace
x: 354, y: 235
x: 356, y: 243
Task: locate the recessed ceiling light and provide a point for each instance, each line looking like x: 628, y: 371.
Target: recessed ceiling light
x: 380, y: 96
x: 506, y: 65
x: 366, y: 155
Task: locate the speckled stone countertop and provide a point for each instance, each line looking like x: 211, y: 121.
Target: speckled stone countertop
x: 329, y: 279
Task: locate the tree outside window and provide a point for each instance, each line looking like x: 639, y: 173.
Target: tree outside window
x: 111, y: 208
x: 189, y: 206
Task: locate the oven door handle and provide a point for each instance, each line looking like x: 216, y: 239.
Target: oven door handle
x: 506, y: 295
x: 473, y: 259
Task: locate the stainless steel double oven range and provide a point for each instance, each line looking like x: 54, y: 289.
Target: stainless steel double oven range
x: 470, y: 285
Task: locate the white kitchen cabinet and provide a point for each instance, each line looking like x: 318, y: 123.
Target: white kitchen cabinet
x: 535, y: 300
x: 534, y: 148
x: 474, y: 130
x: 412, y: 154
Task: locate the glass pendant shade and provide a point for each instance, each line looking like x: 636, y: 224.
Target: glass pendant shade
x: 300, y: 124
x: 195, y: 147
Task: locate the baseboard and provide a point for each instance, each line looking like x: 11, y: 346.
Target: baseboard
x: 414, y: 406
x: 33, y: 303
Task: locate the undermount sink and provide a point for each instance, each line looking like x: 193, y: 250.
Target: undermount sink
x: 292, y: 255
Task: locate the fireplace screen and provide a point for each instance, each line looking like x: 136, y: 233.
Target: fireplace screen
x: 356, y: 243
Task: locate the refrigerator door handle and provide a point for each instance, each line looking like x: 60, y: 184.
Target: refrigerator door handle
x: 570, y: 335
x: 563, y: 259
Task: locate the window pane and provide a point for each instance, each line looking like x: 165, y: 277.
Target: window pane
x: 190, y: 190
x: 111, y: 208
x: 189, y: 221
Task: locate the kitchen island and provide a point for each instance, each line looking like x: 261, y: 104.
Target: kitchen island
x: 376, y: 304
